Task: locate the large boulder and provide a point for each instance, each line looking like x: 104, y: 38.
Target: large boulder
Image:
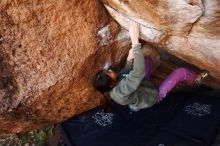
x: 49, y: 51
x: 188, y: 29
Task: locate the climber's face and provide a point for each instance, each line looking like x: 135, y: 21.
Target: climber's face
x: 113, y: 75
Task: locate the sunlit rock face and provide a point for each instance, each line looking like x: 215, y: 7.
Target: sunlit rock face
x: 188, y: 29
x: 49, y: 51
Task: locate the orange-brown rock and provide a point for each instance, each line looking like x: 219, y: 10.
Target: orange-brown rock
x: 188, y: 29
x: 49, y: 51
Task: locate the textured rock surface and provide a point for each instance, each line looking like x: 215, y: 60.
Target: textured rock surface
x: 49, y: 52
x: 189, y: 29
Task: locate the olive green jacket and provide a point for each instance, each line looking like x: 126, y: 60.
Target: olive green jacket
x: 133, y: 90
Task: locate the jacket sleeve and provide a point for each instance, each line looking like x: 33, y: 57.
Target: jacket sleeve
x: 132, y: 81
x: 126, y: 69
x: 129, y: 65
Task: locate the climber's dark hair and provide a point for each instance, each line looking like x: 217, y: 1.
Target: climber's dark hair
x: 102, y: 82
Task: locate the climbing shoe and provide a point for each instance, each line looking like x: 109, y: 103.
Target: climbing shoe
x: 201, y: 77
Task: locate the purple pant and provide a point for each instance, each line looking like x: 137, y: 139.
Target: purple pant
x: 177, y: 76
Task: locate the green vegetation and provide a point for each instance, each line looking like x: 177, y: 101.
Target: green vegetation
x: 31, y: 138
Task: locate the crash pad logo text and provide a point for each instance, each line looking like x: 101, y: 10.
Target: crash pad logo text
x: 103, y: 119
x: 198, y: 109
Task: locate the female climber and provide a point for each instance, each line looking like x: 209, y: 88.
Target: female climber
x: 131, y: 86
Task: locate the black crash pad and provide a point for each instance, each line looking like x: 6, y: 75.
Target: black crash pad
x: 182, y: 119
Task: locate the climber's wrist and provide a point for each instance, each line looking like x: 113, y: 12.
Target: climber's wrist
x: 134, y: 42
